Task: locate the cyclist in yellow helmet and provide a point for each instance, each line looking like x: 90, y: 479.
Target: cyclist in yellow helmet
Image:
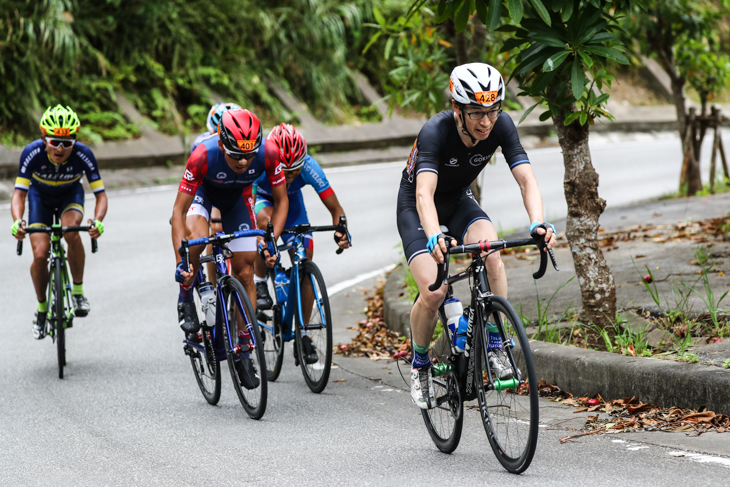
x: 49, y: 177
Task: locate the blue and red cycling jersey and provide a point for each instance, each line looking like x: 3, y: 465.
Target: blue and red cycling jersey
x: 207, y: 167
x: 312, y: 174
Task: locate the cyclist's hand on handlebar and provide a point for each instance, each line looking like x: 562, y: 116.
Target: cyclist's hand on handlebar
x: 342, y: 240
x: 97, y: 228
x: 546, y: 229
x: 266, y: 251
x: 181, y: 275
x: 437, y: 246
x: 18, y: 229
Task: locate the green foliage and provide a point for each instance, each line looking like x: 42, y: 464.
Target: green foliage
x: 418, y: 60
x: 685, y: 35
x: 167, y: 55
x: 564, y: 48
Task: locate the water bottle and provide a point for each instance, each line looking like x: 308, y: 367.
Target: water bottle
x: 282, y: 286
x: 207, y: 302
x: 460, y: 337
x: 453, y: 311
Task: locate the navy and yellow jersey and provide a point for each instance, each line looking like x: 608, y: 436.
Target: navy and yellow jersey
x: 52, y: 179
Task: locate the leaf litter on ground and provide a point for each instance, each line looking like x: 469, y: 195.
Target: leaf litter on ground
x: 374, y: 339
x: 630, y: 414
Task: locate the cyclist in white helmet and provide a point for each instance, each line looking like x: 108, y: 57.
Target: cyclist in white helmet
x: 451, y: 150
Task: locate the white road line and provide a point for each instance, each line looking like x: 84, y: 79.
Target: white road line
x: 341, y: 286
x: 698, y: 457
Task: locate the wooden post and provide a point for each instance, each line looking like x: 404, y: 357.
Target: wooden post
x: 724, y: 160
x: 715, y: 120
x: 722, y: 149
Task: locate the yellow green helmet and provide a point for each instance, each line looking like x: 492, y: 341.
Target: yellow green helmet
x: 59, y: 120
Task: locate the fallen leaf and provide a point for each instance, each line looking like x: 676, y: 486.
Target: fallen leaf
x: 339, y: 380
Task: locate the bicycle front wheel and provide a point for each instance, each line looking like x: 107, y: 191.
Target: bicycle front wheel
x: 59, y: 315
x: 207, y: 369
x: 314, y: 328
x: 271, y: 334
x: 509, y: 408
x: 245, y: 357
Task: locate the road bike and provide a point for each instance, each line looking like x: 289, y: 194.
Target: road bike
x: 220, y: 308
x: 61, y: 309
x: 507, y: 393
x: 299, y: 293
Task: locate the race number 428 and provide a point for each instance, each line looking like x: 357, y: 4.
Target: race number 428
x: 486, y: 96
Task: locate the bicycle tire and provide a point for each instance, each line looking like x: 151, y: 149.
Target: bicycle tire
x: 510, y: 418
x: 207, y: 370
x: 273, y: 341
x: 60, y: 316
x: 316, y: 374
x: 235, y: 298
x: 445, y: 421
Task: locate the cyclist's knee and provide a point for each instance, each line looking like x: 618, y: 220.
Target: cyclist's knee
x: 432, y: 300
x: 72, y: 238
x: 495, y: 266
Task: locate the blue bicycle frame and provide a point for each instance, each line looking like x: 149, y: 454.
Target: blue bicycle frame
x: 221, y: 314
x: 293, y: 302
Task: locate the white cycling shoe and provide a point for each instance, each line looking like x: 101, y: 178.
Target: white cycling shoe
x: 422, y: 388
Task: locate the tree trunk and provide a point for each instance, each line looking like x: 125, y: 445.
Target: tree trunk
x: 597, y: 287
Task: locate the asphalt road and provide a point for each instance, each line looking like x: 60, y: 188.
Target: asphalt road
x: 129, y: 411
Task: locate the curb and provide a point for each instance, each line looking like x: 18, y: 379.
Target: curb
x: 588, y: 372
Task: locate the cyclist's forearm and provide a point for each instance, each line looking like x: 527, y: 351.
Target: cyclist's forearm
x: 427, y: 214
x: 281, y: 209
x: 531, y: 195
x: 333, y: 205
x: 425, y: 205
x: 102, y: 203
x: 182, y: 203
x: 17, y: 205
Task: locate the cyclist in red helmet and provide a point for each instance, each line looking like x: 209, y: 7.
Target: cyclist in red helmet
x: 300, y: 170
x: 220, y: 172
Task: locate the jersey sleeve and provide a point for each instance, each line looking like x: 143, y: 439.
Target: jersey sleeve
x: 512, y: 149
x: 429, y: 146
x: 28, y: 160
x: 91, y: 168
x: 272, y: 164
x: 195, y: 170
x: 314, y: 176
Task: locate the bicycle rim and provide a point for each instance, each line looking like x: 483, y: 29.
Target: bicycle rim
x: 252, y: 399
x: 510, y: 411
x: 60, y: 316
x: 273, y: 343
x: 207, y: 369
x: 316, y: 305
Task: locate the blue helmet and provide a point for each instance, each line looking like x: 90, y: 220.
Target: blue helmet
x: 215, y: 114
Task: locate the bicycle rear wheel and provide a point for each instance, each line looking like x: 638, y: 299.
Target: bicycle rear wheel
x: 273, y: 341
x: 59, y: 316
x: 245, y: 361
x: 509, y: 411
x: 445, y: 421
x: 315, y: 304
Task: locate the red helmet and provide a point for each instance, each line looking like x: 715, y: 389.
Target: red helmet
x: 292, y: 147
x: 240, y: 132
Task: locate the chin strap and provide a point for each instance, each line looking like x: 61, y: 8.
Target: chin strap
x: 463, y: 127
